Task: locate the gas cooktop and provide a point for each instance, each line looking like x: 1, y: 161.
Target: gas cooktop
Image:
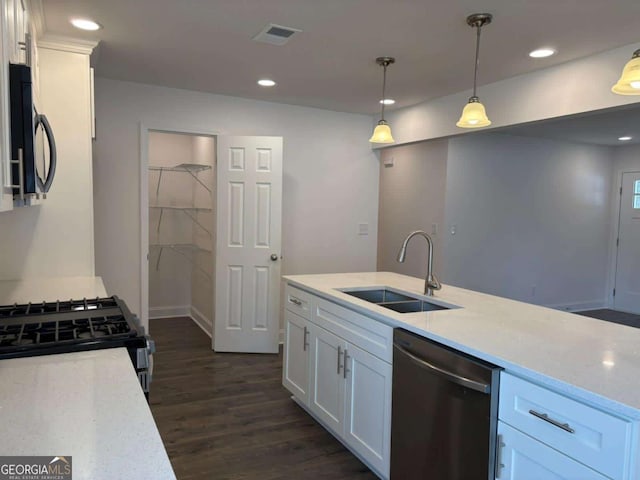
x: 66, y: 325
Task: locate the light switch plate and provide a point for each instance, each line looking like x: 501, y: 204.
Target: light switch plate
x: 363, y: 229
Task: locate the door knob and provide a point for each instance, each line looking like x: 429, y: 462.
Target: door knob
x: 274, y: 257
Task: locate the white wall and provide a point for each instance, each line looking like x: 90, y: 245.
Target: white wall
x: 578, y: 86
x: 56, y: 238
x: 412, y: 195
x: 202, y: 286
x: 330, y: 176
x: 532, y: 219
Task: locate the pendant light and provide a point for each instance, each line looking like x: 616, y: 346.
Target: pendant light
x: 629, y: 83
x: 382, y: 132
x: 473, y: 114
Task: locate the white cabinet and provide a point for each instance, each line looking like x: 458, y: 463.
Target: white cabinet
x: 16, y: 28
x: 295, y: 370
x: 569, y: 430
x: 520, y: 457
x: 347, y: 376
x: 367, y: 425
x: 327, y: 378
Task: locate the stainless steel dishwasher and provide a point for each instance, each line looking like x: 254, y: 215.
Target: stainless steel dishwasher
x: 444, y: 412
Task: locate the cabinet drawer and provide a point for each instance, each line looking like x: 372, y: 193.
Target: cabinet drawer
x: 587, y: 434
x: 370, y: 335
x: 298, y: 301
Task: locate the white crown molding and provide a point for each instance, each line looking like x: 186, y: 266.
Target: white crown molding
x: 36, y: 12
x: 67, y: 44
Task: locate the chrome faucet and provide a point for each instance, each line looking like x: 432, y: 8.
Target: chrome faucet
x: 431, y: 283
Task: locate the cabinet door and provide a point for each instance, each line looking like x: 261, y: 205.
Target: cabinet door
x: 295, y: 372
x: 367, y: 428
x: 520, y: 457
x: 327, y: 381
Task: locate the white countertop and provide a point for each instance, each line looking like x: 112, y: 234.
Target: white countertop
x: 88, y: 405
x: 49, y: 289
x: 594, y: 360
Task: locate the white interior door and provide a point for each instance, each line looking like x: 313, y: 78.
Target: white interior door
x: 627, y: 289
x: 249, y: 216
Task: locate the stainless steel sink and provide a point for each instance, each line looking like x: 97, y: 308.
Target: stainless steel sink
x: 396, y: 301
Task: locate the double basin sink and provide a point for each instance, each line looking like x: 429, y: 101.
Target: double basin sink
x: 397, y: 301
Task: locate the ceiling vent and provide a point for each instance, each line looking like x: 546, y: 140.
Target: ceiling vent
x: 275, y: 34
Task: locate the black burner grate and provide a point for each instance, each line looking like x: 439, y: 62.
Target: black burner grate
x: 36, y: 325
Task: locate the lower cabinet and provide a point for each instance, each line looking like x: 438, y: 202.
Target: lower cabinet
x: 521, y: 457
x: 295, y: 369
x: 346, y: 388
x: 367, y: 425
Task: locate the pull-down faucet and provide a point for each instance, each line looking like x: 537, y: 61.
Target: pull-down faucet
x: 431, y: 283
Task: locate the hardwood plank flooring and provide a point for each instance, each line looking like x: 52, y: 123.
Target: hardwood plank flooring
x: 227, y: 416
x: 623, y: 318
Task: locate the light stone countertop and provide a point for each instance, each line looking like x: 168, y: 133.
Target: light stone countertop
x: 594, y: 360
x: 88, y: 405
x: 49, y: 289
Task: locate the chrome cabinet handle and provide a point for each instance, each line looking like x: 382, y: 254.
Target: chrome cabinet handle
x: 344, y: 367
x: 555, y: 423
x: 339, y: 354
x: 499, y: 464
x: 295, y: 301
x: 304, y: 339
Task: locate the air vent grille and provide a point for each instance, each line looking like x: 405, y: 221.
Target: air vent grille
x: 275, y: 34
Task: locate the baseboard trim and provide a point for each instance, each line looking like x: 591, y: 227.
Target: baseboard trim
x: 171, y: 311
x: 579, y: 307
x: 200, y: 320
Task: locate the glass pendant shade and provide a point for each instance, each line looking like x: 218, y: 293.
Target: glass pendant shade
x: 629, y: 83
x: 473, y: 115
x: 382, y: 133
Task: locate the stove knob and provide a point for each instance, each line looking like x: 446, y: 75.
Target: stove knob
x: 151, y: 346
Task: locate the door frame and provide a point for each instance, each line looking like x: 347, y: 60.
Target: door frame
x: 613, y: 271
x: 145, y: 128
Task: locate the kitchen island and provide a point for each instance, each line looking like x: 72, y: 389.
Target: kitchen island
x: 86, y: 405
x: 592, y: 364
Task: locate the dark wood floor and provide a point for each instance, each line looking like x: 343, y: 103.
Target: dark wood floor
x: 629, y: 319
x: 227, y: 416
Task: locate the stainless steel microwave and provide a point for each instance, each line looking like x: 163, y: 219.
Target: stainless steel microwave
x: 33, y: 146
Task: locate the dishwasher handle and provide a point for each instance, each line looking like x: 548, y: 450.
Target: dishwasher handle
x: 452, y: 377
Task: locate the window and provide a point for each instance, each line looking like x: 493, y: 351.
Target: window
x: 636, y: 195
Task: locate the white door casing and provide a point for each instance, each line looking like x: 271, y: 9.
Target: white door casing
x: 627, y: 280
x: 248, y: 244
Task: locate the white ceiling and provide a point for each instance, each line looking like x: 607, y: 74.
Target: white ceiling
x: 599, y: 128
x: 206, y: 45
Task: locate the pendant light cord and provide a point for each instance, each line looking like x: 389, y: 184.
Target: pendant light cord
x: 475, y: 73
x: 384, y: 85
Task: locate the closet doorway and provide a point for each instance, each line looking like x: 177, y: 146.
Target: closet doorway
x: 211, y: 213
x: 181, y: 226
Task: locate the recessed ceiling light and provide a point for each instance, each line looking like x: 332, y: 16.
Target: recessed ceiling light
x: 85, y: 24
x: 266, y: 82
x: 542, y: 53
x: 626, y: 138
x: 387, y: 101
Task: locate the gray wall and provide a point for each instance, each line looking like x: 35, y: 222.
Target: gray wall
x: 532, y: 217
x: 412, y: 198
